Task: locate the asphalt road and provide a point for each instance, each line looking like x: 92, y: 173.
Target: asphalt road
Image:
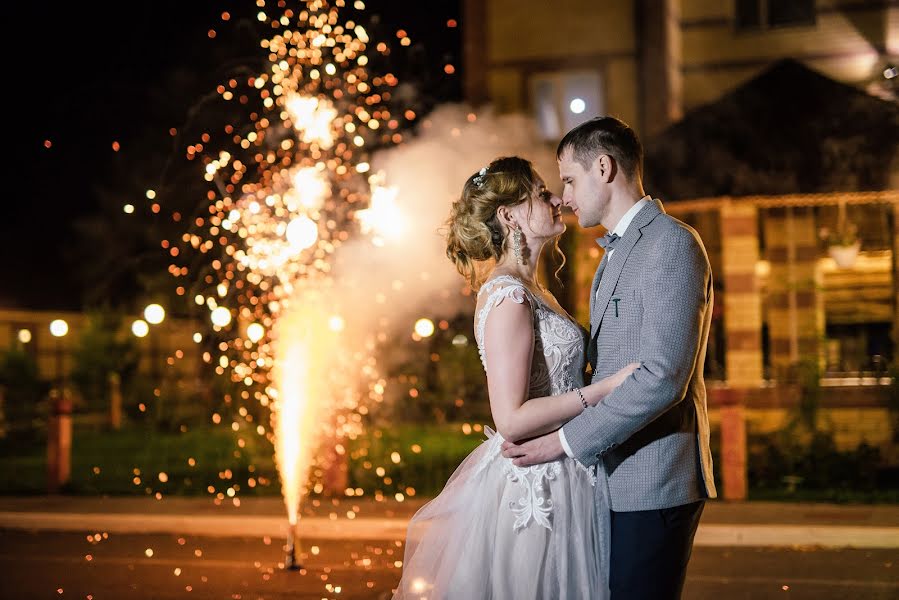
x: 45, y: 565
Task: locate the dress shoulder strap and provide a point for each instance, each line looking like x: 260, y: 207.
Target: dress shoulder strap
x: 498, y: 290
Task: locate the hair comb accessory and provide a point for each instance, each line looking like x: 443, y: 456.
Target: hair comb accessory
x: 479, y: 178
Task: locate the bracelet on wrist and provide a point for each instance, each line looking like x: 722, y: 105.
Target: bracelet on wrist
x: 581, y: 396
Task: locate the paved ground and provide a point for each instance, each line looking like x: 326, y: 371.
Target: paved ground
x: 67, y: 565
x: 91, y: 548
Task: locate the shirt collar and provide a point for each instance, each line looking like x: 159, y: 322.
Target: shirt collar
x: 625, y: 221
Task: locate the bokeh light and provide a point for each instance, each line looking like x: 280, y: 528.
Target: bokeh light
x: 140, y: 328
x: 424, y: 327
x: 221, y: 316
x: 59, y: 328
x: 154, y: 314
x: 255, y: 332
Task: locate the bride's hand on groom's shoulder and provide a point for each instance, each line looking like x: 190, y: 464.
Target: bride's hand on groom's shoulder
x: 545, y: 448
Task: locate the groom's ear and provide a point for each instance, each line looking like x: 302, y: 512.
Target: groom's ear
x: 605, y: 167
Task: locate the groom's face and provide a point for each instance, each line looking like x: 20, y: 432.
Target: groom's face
x: 583, y: 190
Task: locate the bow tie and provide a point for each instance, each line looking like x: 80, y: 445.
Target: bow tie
x: 608, y: 241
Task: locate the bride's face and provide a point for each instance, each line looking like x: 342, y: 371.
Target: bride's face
x: 541, y: 218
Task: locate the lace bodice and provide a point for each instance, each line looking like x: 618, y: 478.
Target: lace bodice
x: 557, y: 367
x: 559, y: 342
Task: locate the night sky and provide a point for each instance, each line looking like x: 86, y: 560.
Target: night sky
x: 98, y: 73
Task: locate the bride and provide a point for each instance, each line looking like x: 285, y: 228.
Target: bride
x: 498, y: 531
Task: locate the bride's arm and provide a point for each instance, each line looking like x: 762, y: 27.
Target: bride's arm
x: 509, y: 346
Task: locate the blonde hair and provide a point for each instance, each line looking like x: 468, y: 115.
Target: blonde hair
x: 474, y: 232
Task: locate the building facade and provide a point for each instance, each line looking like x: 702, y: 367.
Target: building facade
x: 785, y: 298
x: 650, y: 62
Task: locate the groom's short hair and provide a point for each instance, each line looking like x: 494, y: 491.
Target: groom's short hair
x: 605, y: 135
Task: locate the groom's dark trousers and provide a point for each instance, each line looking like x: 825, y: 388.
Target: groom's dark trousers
x: 650, y: 551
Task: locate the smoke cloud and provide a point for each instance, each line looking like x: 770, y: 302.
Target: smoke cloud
x: 409, y: 276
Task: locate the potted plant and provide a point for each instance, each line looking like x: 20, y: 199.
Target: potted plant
x: 843, y: 243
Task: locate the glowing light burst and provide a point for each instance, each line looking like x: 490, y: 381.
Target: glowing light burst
x: 301, y: 233
x: 310, y: 187
x: 313, y: 118
x: 288, y: 187
x: 384, y: 218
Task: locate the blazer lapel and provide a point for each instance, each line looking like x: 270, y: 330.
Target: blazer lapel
x: 610, y: 277
x: 596, y: 279
x: 615, y: 265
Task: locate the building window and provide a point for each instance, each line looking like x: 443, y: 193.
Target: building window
x: 752, y: 15
x: 562, y: 100
x: 747, y: 14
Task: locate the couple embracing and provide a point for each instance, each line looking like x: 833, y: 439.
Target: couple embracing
x: 589, y: 487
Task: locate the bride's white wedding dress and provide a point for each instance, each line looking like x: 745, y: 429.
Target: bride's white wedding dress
x: 502, y: 532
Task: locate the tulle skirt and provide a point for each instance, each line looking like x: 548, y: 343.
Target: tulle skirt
x: 502, y: 532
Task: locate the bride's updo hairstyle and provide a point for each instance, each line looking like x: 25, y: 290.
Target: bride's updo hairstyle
x: 474, y: 232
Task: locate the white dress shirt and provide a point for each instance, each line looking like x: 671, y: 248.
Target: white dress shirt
x: 619, y: 230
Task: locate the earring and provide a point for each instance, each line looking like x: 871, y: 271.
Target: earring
x: 516, y: 245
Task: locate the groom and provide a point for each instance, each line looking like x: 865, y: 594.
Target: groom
x: 651, y: 302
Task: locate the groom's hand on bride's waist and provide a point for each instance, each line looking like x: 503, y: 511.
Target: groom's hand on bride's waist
x: 542, y: 449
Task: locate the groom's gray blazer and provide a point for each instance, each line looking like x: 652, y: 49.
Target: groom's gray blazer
x: 651, y: 303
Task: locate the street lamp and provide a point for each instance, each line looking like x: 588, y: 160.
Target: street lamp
x: 154, y: 315
x: 59, y: 426
x: 59, y: 328
x: 140, y: 329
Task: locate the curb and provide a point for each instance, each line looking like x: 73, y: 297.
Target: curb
x: 207, y: 526
x: 709, y: 535
x: 823, y: 536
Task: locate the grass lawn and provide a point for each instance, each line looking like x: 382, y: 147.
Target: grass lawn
x: 130, y: 462
x: 428, y: 456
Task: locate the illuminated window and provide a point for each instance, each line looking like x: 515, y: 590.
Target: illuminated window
x: 565, y: 99
x: 764, y: 14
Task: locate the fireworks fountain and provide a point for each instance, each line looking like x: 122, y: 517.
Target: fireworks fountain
x: 285, y: 195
